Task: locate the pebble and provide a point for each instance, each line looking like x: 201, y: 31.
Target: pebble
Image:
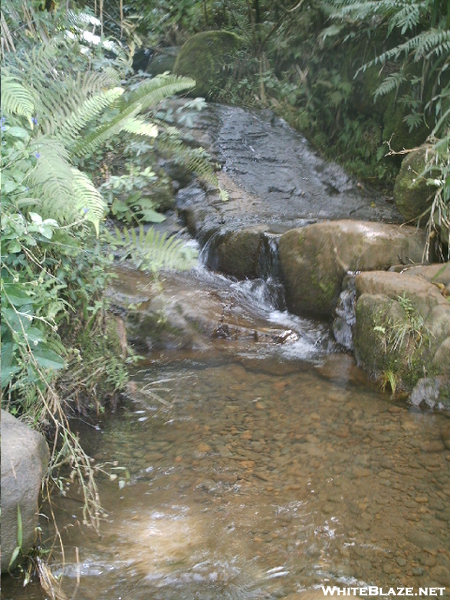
x: 428, y: 560
x: 421, y: 499
x: 441, y: 574
x: 422, y: 540
x: 362, y: 472
x: 204, y: 448
x: 434, y: 446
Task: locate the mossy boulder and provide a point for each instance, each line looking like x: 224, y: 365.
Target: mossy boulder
x: 402, y: 327
x: 315, y: 259
x: 241, y: 253
x: 206, y: 58
x: 411, y: 194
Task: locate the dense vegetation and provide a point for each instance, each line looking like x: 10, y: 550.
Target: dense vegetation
x: 79, y: 131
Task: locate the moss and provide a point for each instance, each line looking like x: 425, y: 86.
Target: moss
x: 411, y: 194
x: 329, y: 291
x: 205, y: 57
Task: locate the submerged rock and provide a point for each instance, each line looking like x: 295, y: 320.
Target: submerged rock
x: 315, y: 259
x: 402, y: 327
x: 25, y: 457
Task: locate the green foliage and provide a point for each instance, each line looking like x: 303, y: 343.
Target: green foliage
x: 151, y: 250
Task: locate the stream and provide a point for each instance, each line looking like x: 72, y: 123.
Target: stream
x: 261, y: 462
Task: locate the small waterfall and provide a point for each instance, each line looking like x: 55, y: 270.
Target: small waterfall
x: 345, y: 312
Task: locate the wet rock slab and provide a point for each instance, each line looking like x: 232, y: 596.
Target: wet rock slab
x: 273, y: 177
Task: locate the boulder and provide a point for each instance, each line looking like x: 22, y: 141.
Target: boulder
x: 163, y: 61
x: 432, y: 392
x: 245, y: 254
x: 411, y: 194
x: 315, y: 259
x: 402, y: 327
x: 25, y: 457
x: 206, y: 57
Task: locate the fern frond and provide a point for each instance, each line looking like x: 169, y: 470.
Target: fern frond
x: 153, y: 250
x: 88, y: 200
x: 425, y: 45
x: 139, y: 127
x: 87, y: 112
x: 195, y: 159
x: 150, y: 93
x: 391, y: 83
x: 52, y: 177
x: 99, y: 136
x: 58, y: 95
x: 16, y: 99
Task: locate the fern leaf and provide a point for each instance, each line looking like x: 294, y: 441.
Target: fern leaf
x: 139, y: 127
x: 391, y: 83
x: 52, y: 177
x: 150, y: 93
x: 16, y: 99
x: 99, y: 136
x: 88, y: 200
x: 87, y: 112
x: 153, y: 250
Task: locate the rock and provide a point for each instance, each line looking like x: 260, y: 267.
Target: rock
x: 412, y: 195
x: 445, y: 435
x: 423, y: 540
x: 163, y: 60
x: 432, y: 392
x: 437, y: 274
x: 25, y: 457
x: 183, y: 311
x: 315, y: 259
x: 274, y: 179
x: 402, y: 327
x: 241, y: 253
x: 205, y: 57
x: 441, y: 574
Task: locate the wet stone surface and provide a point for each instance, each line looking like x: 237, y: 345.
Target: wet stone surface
x: 273, y: 177
x: 262, y: 479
